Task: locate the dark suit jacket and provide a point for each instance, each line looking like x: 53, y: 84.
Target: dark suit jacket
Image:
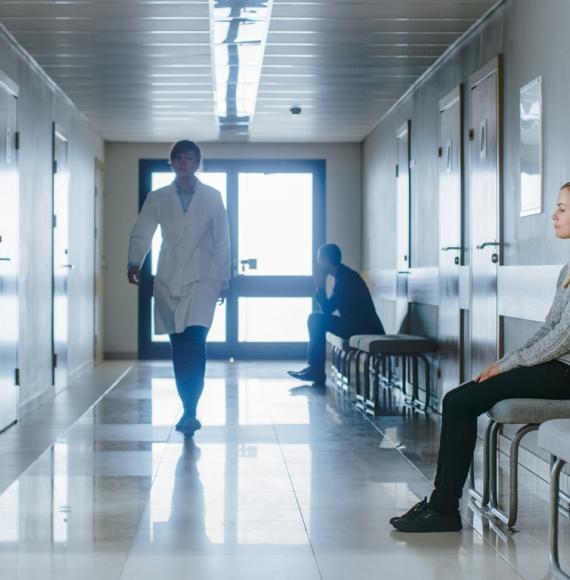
x: 351, y: 298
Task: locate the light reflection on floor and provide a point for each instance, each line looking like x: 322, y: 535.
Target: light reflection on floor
x: 283, y: 481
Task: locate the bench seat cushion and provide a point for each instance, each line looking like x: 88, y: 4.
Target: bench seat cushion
x: 338, y: 341
x: 554, y: 437
x: 522, y: 411
x: 392, y: 343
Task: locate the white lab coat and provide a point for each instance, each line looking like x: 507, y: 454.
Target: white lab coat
x: 194, y: 261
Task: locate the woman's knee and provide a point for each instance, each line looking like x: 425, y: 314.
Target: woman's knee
x: 459, y: 400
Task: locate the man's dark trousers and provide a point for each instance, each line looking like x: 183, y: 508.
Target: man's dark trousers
x: 319, y: 324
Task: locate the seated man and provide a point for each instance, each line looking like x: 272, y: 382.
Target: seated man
x: 350, y: 297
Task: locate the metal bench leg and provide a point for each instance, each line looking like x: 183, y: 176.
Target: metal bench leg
x: 493, y: 479
x: 342, y: 369
x: 348, y: 374
x: 404, y: 373
x: 373, y: 401
x: 554, y: 499
x: 412, y: 370
x: 366, y: 371
x: 358, y: 377
x: 427, y: 368
x: 511, y: 518
x: 482, y: 498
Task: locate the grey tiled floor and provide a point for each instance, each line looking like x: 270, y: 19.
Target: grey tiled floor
x: 283, y: 481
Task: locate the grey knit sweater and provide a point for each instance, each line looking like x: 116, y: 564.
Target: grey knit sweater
x: 552, y: 340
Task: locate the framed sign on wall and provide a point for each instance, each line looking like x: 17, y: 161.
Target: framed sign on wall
x: 531, y: 147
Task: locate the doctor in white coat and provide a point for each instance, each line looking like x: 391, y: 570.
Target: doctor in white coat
x: 193, y: 269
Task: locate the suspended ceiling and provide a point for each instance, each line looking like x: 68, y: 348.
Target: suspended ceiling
x: 141, y: 70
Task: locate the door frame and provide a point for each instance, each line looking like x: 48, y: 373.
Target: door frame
x: 494, y: 66
x: 57, y: 130
x: 12, y: 90
x: 239, y: 285
x: 455, y: 97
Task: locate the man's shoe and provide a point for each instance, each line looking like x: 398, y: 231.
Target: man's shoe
x: 297, y: 374
x: 309, y: 375
x: 423, y: 519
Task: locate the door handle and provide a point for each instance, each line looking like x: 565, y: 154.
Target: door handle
x: 448, y: 248
x: 5, y: 259
x: 68, y: 266
x: 251, y: 263
x: 407, y: 272
x: 488, y: 244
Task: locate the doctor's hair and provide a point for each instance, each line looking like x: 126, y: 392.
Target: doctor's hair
x: 185, y: 146
x: 332, y: 253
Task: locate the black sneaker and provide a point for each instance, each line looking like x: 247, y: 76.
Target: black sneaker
x: 417, y: 507
x: 425, y: 519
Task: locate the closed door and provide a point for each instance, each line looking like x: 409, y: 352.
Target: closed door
x: 98, y: 264
x: 9, y: 204
x: 450, y: 239
x: 485, y: 219
x: 403, y: 261
x: 61, y: 259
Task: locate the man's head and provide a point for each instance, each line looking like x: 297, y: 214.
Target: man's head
x: 185, y: 158
x: 329, y: 258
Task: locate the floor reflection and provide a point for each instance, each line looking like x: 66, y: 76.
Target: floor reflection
x: 284, y: 481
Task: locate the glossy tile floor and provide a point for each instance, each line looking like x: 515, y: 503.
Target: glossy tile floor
x: 283, y: 482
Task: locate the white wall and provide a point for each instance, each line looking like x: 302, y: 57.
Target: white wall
x: 40, y: 104
x: 343, y: 222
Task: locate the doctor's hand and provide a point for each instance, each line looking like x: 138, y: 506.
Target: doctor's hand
x: 222, y: 296
x: 134, y: 274
x: 491, y: 371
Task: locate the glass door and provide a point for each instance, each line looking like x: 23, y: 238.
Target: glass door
x: 276, y: 214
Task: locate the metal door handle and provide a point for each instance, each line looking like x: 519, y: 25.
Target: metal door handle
x: 5, y: 259
x: 448, y: 248
x: 69, y: 266
x: 486, y: 244
x: 407, y: 272
x: 251, y: 263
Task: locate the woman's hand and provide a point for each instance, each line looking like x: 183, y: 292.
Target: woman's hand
x: 491, y: 371
x: 134, y: 274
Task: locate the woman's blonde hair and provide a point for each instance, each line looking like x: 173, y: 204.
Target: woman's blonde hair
x: 566, y: 282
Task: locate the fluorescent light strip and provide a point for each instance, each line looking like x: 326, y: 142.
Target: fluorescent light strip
x: 238, y: 38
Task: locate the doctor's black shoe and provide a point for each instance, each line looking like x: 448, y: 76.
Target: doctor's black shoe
x: 424, y: 519
x: 190, y: 427
x: 420, y: 505
x: 309, y: 375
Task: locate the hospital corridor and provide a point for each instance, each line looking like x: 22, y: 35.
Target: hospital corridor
x: 284, y: 289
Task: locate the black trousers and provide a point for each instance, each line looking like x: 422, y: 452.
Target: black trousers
x: 463, y: 405
x: 189, y: 361
x: 319, y: 324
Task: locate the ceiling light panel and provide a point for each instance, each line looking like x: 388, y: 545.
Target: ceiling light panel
x: 239, y: 34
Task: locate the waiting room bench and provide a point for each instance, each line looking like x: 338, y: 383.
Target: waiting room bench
x: 341, y: 361
x: 530, y: 414
x: 378, y: 351
x: 554, y: 437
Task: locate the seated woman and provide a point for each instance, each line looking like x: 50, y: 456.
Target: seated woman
x: 540, y: 369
